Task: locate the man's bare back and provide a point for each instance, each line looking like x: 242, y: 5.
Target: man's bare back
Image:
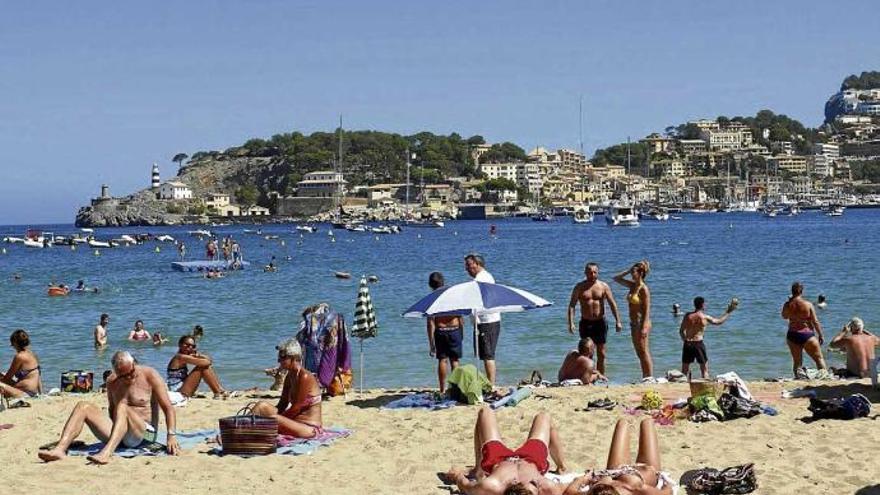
x: 860, y: 352
x: 693, y: 326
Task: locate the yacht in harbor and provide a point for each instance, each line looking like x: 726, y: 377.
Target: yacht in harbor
x: 835, y: 210
x: 622, y: 214
x: 582, y: 215
x: 658, y: 214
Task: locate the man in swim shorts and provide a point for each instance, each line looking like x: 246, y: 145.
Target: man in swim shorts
x: 135, y: 394
x: 593, y: 294
x: 692, y: 328
x: 101, y: 331
x: 859, y: 345
x: 500, y: 470
x: 488, y: 325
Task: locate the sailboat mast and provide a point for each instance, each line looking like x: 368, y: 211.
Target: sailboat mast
x: 627, y: 156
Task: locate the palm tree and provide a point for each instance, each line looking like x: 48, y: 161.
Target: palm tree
x: 179, y: 158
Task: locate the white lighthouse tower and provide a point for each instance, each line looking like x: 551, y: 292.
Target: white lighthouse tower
x: 154, y: 179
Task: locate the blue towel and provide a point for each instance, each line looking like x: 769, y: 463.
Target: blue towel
x: 186, y: 439
x: 424, y: 400
x: 301, y: 446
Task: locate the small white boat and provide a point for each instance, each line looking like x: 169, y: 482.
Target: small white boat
x: 99, y: 244
x: 87, y: 231
x: 355, y: 228
x: 306, y: 228
x: 13, y: 240
x: 37, y: 239
x: 438, y: 224
x: 835, y: 211
x: 582, y: 215
x: 622, y: 215
x: 164, y: 238
x: 382, y: 229
x: 127, y: 239
x: 200, y: 233
x: 657, y: 214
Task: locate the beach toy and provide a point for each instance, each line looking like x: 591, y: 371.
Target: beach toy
x: 158, y: 250
x: 97, y: 253
x: 57, y: 291
x: 282, y: 242
x: 4, y: 251
x: 513, y: 398
x: 652, y: 400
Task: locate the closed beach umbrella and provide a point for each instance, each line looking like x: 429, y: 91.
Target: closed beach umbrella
x: 365, y: 324
x: 475, y: 298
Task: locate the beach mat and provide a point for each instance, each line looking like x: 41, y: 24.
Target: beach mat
x: 424, y: 400
x: 186, y: 439
x: 300, y: 446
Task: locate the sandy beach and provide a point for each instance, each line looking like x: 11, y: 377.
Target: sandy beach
x: 402, y: 451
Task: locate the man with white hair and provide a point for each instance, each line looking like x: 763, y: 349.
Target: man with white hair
x: 859, y: 345
x: 135, y: 394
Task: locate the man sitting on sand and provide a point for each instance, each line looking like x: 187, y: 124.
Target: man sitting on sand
x: 182, y: 379
x: 499, y: 470
x: 135, y: 394
x: 692, y: 328
x: 578, y: 365
x: 859, y: 345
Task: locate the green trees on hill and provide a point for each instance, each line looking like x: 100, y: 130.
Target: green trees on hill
x: 866, y: 80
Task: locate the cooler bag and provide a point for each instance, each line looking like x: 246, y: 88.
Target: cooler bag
x: 77, y: 381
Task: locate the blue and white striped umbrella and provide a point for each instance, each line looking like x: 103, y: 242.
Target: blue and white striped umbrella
x: 475, y: 298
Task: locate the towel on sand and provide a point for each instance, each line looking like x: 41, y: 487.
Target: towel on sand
x: 186, y: 439
x: 569, y: 477
x: 424, y: 400
x: 302, y: 446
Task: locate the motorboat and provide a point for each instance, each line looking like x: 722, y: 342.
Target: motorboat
x: 582, y: 215
x: 13, y: 240
x: 164, y: 238
x: 658, y: 214
x: 200, y: 233
x: 835, y: 210
x: 306, y: 228
x: 382, y: 229
x: 792, y: 210
x: 622, y: 215
x: 99, y: 244
x: 438, y: 224
x: 37, y: 239
x: 355, y: 228
x: 542, y: 217
x: 770, y: 211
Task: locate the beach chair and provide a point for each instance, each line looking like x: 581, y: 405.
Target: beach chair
x: 874, y: 365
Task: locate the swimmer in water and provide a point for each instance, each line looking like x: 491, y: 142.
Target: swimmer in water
x: 821, y: 302
x: 676, y: 310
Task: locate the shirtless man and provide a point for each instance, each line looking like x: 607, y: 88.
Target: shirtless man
x: 499, y: 470
x: 693, y: 325
x: 859, y: 345
x: 578, y: 364
x: 592, y: 294
x: 135, y: 394
x: 101, y: 332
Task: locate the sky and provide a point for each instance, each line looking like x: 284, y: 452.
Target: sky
x: 95, y: 92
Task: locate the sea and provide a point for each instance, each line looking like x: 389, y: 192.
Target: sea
x: 246, y: 314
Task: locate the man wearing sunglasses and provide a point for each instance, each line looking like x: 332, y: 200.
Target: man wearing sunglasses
x: 135, y: 393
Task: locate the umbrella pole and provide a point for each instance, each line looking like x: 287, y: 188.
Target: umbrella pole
x: 476, y: 340
x: 362, y: 366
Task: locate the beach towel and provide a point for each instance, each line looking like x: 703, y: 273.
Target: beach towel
x: 424, y: 400
x: 324, y: 339
x: 301, y: 446
x: 186, y: 439
x: 469, y: 384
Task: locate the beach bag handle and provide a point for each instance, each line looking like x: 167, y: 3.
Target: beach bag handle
x: 246, y: 415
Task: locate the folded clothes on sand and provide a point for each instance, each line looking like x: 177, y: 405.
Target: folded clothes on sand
x: 423, y: 400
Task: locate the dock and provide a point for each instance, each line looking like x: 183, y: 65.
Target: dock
x: 205, y: 265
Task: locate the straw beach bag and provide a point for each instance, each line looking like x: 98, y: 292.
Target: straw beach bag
x: 248, y: 434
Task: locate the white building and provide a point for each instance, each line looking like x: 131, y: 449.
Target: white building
x: 321, y: 184
x: 217, y: 200
x: 174, y: 190
x: 499, y: 171
x: 733, y: 137
x: 255, y: 211
x: 820, y: 165
x: 830, y: 151
x: 528, y: 176
x: 795, y: 164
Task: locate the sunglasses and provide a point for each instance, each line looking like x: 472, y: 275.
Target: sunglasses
x: 127, y: 376
x: 187, y: 344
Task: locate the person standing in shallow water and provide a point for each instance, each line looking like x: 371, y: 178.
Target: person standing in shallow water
x: 639, y: 301
x: 592, y: 294
x: 445, y: 334
x: 804, y: 331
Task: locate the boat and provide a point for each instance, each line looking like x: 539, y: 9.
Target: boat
x: 200, y: 233
x: 13, y: 240
x: 542, y: 217
x: 582, y: 215
x: 792, y: 210
x: 164, y: 238
x: 659, y: 214
x: 342, y: 275
x: 622, y: 214
x: 382, y: 229
x: 770, y: 211
x: 438, y: 224
x: 355, y: 228
x: 37, y: 239
x: 835, y: 210
x: 99, y: 244
x: 306, y: 228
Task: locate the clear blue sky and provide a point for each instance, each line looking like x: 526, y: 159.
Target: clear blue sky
x: 94, y: 92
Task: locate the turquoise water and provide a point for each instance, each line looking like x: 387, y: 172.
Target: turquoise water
x: 718, y: 256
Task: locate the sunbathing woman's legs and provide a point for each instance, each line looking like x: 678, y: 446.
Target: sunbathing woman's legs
x: 544, y: 430
x: 485, y: 429
x: 618, y: 455
x: 649, y: 448
x: 286, y: 426
x: 194, y: 379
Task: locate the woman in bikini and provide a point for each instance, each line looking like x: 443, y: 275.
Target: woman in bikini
x: 299, y: 409
x: 621, y: 476
x: 500, y: 470
x: 139, y: 332
x: 23, y: 376
x: 639, y: 301
x: 180, y: 378
x: 804, y: 330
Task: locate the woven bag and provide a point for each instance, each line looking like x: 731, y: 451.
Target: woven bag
x: 248, y: 434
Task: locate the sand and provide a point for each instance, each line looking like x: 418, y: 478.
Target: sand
x: 402, y: 451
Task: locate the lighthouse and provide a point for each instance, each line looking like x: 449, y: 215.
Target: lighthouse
x: 154, y: 179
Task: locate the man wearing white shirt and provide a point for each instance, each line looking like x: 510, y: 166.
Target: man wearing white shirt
x: 488, y: 325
